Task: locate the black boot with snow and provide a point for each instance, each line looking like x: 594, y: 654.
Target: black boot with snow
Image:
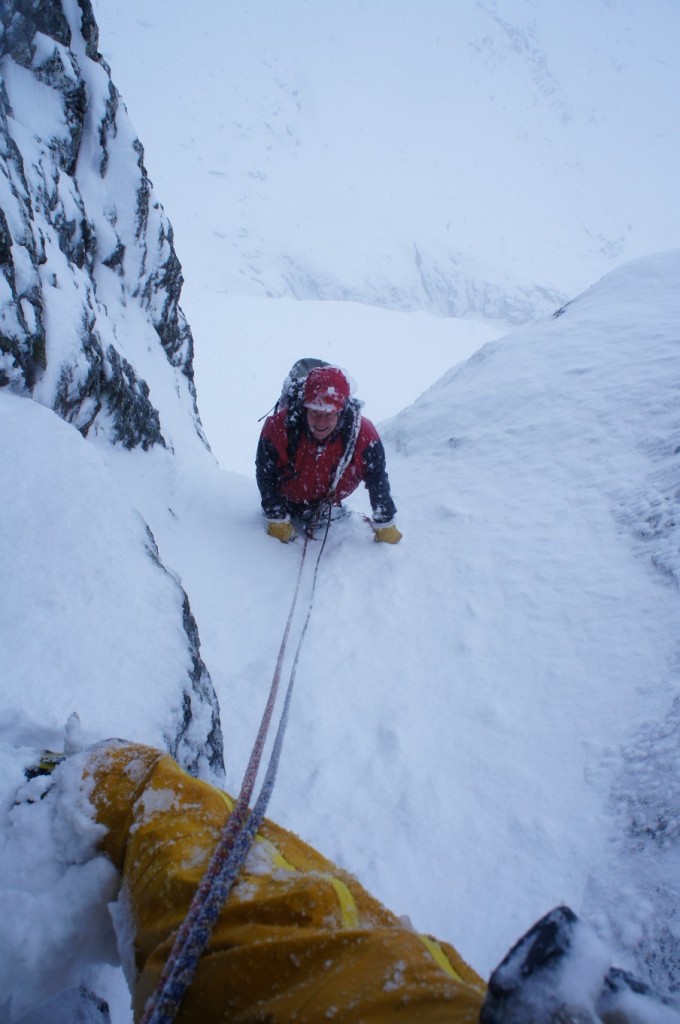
x: 558, y: 973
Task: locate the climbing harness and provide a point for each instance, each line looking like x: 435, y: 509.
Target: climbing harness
x: 239, y: 831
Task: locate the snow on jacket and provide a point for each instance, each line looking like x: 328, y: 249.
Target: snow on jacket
x: 297, y: 939
x: 294, y: 471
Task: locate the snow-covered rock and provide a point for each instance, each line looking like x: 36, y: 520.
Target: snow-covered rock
x: 82, y: 236
x: 90, y: 328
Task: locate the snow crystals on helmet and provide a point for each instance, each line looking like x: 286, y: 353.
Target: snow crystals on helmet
x: 326, y: 389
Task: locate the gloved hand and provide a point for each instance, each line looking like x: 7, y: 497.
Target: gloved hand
x: 389, y: 534
x: 282, y: 529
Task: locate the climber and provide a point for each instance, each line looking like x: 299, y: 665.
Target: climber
x: 300, y: 939
x: 315, y: 450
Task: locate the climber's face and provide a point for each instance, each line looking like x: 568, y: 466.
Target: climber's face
x: 322, y: 424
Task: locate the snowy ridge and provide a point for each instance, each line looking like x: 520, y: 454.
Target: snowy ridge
x: 598, y: 419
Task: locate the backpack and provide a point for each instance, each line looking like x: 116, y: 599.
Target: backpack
x: 293, y: 384
x: 291, y: 392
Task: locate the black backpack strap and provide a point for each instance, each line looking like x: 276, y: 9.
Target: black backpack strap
x: 295, y: 420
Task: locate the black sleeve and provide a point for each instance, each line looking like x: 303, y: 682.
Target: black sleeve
x: 377, y: 483
x: 268, y: 477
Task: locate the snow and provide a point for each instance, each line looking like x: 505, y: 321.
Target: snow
x: 464, y: 701
x: 80, y: 617
x: 55, y: 890
x: 485, y: 716
x: 532, y: 143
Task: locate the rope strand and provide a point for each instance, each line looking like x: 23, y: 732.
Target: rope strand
x: 236, y: 837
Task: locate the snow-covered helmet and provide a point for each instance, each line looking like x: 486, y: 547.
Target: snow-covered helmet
x: 326, y: 389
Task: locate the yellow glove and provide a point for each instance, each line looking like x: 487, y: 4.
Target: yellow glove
x: 282, y: 529
x: 388, y: 534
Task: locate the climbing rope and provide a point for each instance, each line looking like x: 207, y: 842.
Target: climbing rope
x: 348, y: 454
x: 238, y: 833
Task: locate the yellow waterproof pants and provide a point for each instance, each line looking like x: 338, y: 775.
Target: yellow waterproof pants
x: 297, y: 940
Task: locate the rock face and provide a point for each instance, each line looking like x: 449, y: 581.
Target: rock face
x: 84, y: 245
x: 90, y: 321
x: 196, y: 740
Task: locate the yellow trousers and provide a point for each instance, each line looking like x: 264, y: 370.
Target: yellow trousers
x: 297, y: 940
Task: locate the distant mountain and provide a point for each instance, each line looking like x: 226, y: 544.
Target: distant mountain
x: 482, y: 159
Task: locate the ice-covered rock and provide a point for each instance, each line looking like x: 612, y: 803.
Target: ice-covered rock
x: 89, y: 278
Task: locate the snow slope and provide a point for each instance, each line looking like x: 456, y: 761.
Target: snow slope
x: 91, y: 621
x: 483, y: 714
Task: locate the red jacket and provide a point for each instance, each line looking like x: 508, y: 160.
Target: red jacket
x: 294, y: 471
